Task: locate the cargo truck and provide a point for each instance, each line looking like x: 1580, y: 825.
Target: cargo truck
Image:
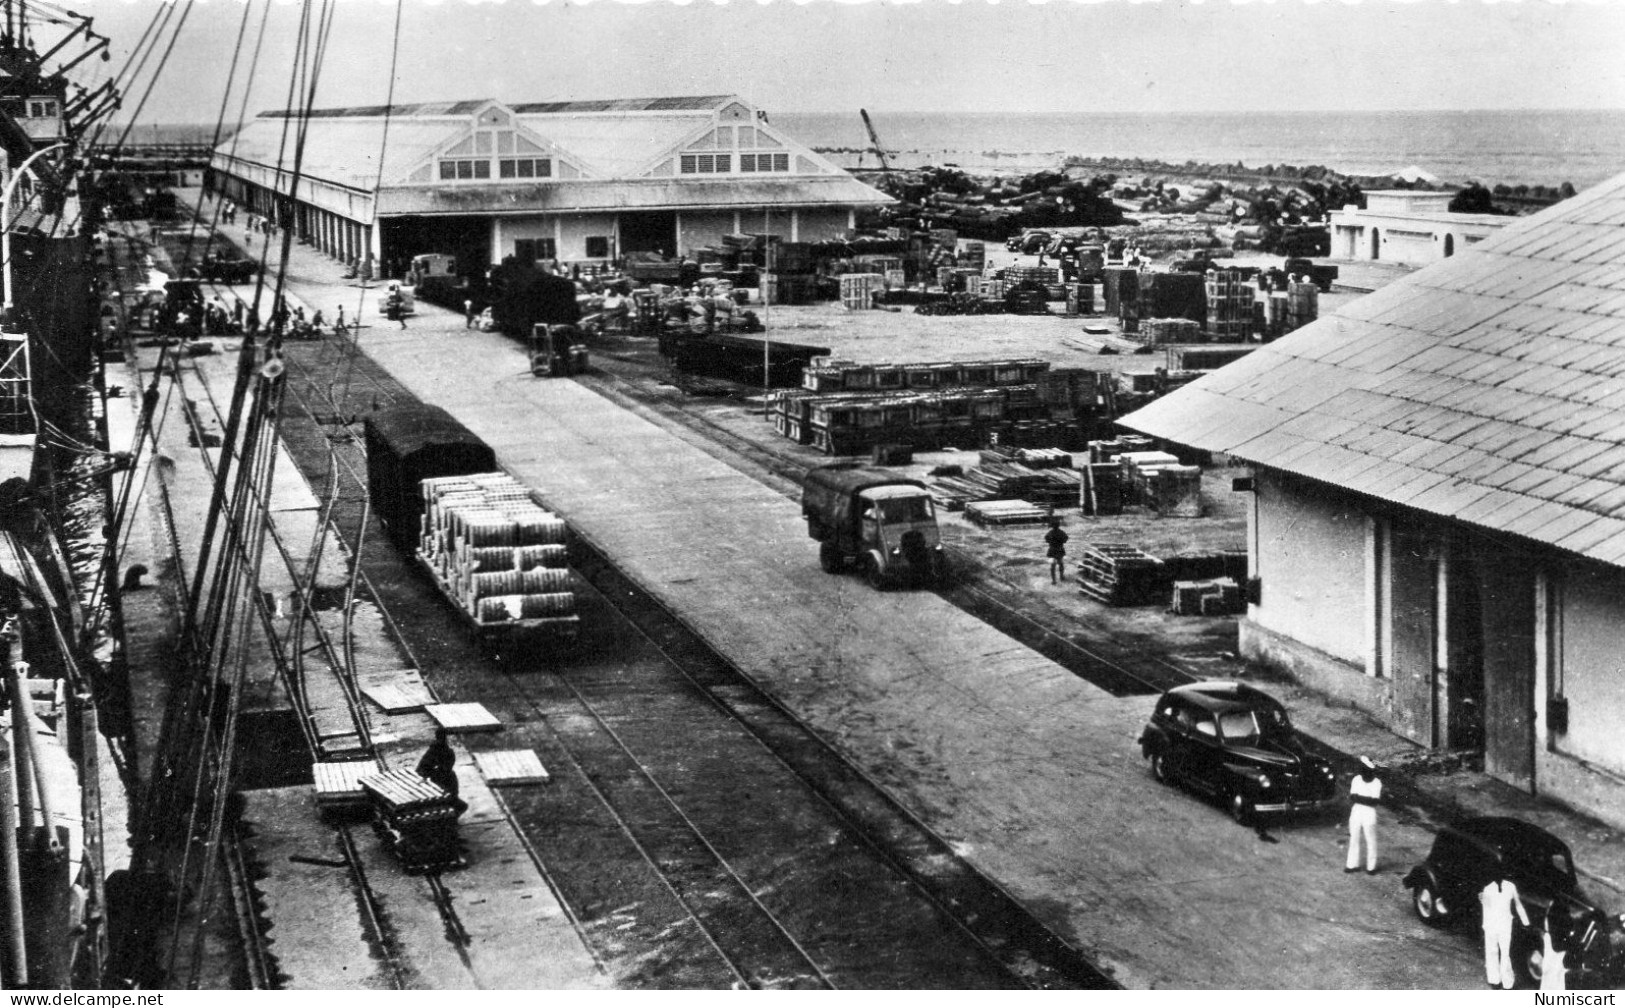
x: 884, y: 523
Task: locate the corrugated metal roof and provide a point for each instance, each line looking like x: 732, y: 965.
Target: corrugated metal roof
x: 343, y: 151
x: 629, y: 194
x: 687, y: 103
x: 1484, y: 388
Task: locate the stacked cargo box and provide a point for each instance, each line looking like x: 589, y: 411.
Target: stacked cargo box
x: 846, y: 407
x: 1161, y: 331
x: 858, y: 290
x: 496, y: 552
x: 1230, y: 306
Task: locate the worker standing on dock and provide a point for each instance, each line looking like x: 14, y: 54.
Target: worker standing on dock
x: 1056, y: 539
x: 439, y: 765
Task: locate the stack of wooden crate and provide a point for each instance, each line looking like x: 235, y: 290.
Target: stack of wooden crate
x: 1161, y: 331
x: 858, y: 290
x: 495, y: 550
x: 1118, y: 574
x: 1230, y: 300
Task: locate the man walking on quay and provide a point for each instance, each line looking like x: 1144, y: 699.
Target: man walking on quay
x: 1056, y: 539
x: 1365, y: 792
x: 1499, y: 901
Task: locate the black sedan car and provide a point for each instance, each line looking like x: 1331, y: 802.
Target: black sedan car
x: 1470, y: 854
x: 1236, y: 745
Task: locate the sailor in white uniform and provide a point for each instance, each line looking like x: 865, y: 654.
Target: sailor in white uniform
x: 1500, y: 901
x: 1365, y: 792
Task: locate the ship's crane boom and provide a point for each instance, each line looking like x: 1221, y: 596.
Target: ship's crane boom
x: 874, y: 139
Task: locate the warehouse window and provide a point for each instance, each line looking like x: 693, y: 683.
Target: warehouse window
x: 38, y: 109
x: 597, y: 247
x: 706, y: 164
x: 764, y: 162
x: 526, y: 167
x: 529, y: 250
x: 465, y: 168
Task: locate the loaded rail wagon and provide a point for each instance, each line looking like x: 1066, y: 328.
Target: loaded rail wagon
x: 409, y: 444
x: 485, y: 541
x: 883, y: 522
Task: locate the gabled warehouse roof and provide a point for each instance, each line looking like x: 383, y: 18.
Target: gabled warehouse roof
x: 1489, y: 387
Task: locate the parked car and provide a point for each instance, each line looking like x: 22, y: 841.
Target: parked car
x: 1469, y: 855
x: 1235, y: 744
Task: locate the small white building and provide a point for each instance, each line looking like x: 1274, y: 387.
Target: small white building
x: 1407, y: 226
x: 1437, y: 531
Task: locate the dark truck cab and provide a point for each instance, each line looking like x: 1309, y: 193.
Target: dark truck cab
x: 883, y: 522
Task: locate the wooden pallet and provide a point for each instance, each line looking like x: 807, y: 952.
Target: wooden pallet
x: 511, y: 766
x: 393, y: 698
x: 459, y: 718
x: 339, y: 783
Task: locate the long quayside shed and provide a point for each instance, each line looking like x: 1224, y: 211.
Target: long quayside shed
x: 1438, y: 519
x: 576, y: 181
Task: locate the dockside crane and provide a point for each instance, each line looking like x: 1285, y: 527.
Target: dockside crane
x: 874, y: 139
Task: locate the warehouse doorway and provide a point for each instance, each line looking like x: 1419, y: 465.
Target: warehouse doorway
x: 649, y: 232
x: 1376, y: 244
x: 1491, y: 600
x: 1449, y: 245
x: 466, y: 238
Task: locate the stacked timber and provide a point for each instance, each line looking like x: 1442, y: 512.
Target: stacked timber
x: 1044, y: 479
x: 496, y: 552
x: 1118, y: 574
x: 1006, y: 512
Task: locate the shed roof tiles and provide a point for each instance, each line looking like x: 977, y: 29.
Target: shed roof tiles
x: 1483, y: 388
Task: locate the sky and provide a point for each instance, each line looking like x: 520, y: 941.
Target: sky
x: 926, y: 55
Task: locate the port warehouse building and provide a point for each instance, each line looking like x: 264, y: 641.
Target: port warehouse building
x: 573, y: 180
x: 1437, y: 524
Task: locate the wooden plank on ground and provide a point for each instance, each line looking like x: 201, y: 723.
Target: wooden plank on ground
x: 463, y: 717
x: 511, y: 766
x: 398, y: 698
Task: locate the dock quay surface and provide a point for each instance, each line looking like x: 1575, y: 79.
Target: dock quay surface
x: 1029, y: 773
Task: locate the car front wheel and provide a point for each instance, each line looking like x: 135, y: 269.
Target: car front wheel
x: 1159, y: 768
x: 1430, y: 909
x: 1241, y: 810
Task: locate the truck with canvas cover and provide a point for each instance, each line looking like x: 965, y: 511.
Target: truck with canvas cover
x: 883, y: 522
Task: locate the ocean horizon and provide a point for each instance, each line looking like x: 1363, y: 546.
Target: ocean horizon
x: 1529, y: 147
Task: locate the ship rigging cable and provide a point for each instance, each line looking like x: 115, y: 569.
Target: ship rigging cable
x: 353, y: 348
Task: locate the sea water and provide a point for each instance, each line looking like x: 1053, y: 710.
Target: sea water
x: 1511, y: 147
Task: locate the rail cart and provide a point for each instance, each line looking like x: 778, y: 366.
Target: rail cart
x: 416, y: 819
